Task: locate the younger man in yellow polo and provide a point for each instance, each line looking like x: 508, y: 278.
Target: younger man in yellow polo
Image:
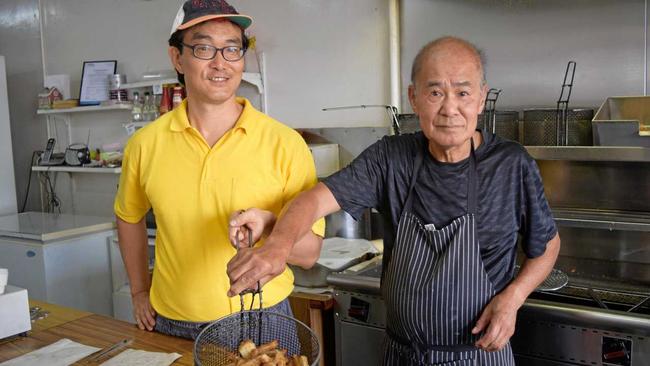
x: 195, y: 166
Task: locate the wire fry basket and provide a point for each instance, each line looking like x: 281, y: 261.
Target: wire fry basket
x: 217, y: 344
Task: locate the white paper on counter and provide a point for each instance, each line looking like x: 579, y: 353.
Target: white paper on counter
x: 61, y: 353
x: 136, y: 357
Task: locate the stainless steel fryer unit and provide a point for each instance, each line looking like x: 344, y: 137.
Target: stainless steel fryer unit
x: 623, y: 121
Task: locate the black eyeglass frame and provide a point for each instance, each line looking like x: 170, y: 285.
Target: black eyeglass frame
x: 216, y: 50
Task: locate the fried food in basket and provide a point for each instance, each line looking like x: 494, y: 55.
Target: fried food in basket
x: 267, y: 354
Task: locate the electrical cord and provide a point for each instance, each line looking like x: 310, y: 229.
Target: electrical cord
x: 29, y: 180
x: 53, y: 201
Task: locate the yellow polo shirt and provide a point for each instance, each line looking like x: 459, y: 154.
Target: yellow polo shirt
x: 194, y: 188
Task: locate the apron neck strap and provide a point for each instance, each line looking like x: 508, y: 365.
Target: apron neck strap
x: 472, y: 190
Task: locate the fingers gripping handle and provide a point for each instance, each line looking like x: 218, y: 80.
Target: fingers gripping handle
x: 258, y: 290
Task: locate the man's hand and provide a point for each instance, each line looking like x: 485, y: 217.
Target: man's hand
x: 143, y: 312
x: 260, y: 222
x: 498, y: 321
x: 249, y: 264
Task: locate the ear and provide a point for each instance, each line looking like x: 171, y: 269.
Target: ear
x: 412, y: 98
x: 175, y: 58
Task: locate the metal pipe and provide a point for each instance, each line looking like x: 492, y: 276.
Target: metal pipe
x: 394, y: 53
x: 645, y: 48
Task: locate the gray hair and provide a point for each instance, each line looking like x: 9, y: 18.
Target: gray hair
x: 427, y: 49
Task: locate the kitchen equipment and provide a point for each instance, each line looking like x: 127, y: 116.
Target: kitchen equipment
x: 408, y: 123
x: 337, y: 254
x: 104, y: 354
x: 117, y: 94
x: 487, y: 121
x: 540, y: 126
x: 326, y: 158
x: 623, y: 121
x: 217, y: 342
x: 391, y: 110
x: 14, y: 312
x: 562, y: 126
x: 505, y: 124
x: 554, y: 281
x: 77, y: 155
x: 343, y: 225
x: 4, y: 277
x: 561, y: 119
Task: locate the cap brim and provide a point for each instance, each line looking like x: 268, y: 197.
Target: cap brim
x: 243, y: 21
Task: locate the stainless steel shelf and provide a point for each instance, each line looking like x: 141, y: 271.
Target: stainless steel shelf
x: 602, y: 219
x: 92, y: 108
x: 76, y: 169
x: 590, y: 153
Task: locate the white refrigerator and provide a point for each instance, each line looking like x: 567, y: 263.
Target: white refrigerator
x: 7, y: 178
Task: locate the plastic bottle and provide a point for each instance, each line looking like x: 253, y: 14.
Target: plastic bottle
x: 136, y: 112
x: 147, y: 108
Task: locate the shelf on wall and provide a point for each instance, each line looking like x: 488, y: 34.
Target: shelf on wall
x: 253, y: 78
x: 76, y: 169
x: 92, y: 108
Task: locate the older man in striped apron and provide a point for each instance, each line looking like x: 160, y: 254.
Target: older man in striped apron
x: 454, y: 200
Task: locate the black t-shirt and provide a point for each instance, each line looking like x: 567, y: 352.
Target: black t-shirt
x: 511, y: 197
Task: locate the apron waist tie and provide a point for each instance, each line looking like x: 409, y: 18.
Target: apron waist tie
x: 422, y: 349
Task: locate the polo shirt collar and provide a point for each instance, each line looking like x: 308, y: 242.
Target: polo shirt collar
x: 180, y: 122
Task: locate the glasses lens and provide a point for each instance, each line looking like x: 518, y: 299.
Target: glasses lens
x: 204, y: 51
x: 232, y: 53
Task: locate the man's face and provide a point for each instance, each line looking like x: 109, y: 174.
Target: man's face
x: 447, y: 96
x: 212, y: 81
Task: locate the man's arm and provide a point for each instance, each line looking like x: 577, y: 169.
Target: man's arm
x: 304, y: 253
x: 133, y: 246
x: 264, y: 263
x: 499, y: 316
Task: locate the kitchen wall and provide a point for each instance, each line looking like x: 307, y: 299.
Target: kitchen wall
x: 529, y: 42
x: 318, y: 53
x: 21, y: 46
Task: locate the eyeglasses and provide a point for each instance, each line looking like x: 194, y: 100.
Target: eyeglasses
x: 207, y: 52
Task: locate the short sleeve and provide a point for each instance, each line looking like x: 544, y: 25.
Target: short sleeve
x: 361, y: 184
x: 538, y: 226
x: 301, y: 176
x: 131, y: 202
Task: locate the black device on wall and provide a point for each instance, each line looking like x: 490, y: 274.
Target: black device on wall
x: 49, y: 157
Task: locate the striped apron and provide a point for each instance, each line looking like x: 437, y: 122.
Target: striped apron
x: 435, y: 288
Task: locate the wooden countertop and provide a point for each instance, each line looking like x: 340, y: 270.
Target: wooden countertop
x: 93, y: 330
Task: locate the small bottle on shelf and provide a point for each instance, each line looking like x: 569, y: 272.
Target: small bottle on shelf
x: 166, y: 100
x: 177, y: 97
x: 136, y: 112
x: 147, y: 108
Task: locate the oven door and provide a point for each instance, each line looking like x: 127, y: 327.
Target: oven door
x: 357, y: 344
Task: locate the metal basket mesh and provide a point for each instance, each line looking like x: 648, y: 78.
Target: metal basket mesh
x: 554, y: 281
x: 540, y: 128
x: 216, y: 344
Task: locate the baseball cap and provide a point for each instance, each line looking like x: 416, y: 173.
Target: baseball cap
x: 198, y: 11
